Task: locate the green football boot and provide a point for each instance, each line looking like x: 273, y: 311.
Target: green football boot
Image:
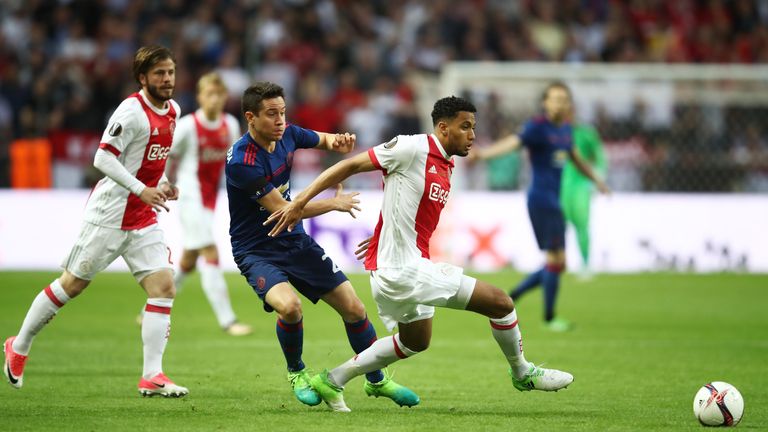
x: 332, y: 394
x: 301, y: 388
x: 388, y: 388
x: 539, y: 378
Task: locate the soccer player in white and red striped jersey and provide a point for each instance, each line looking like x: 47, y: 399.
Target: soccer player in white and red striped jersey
x: 121, y: 220
x: 406, y: 285
x: 196, y: 164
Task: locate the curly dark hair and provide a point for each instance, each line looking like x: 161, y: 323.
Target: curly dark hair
x: 255, y: 94
x: 448, y: 108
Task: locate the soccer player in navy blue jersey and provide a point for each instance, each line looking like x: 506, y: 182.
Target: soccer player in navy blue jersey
x: 258, y: 173
x: 549, y: 140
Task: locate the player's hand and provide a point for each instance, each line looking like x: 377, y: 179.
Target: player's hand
x: 344, y: 143
x: 362, y: 249
x: 346, y: 202
x: 170, y: 190
x: 154, y: 198
x: 603, y: 188
x: 287, y: 218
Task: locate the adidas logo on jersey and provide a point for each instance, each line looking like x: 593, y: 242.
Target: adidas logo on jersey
x: 433, y: 170
x: 155, y: 132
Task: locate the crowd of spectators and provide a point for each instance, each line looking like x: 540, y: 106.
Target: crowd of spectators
x: 66, y: 64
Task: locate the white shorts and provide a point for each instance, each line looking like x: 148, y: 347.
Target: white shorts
x: 144, y: 251
x: 196, y: 224
x: 410, y: 293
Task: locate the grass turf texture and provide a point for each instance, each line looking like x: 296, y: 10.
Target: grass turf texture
x: 642, y: 347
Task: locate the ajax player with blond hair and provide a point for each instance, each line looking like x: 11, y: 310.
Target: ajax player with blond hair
x: 121, y: 220
x: 196, y: 165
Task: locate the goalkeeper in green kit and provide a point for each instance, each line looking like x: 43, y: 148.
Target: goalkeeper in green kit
x: 576, y: 189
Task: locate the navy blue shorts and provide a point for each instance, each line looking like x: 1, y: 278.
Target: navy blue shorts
x: 548, y: 226
x: 298, y: 260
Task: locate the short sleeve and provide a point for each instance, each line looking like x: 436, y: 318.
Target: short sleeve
x: 303, y: 138
x: 395, y: 155
x: 529, y: 134
x: 250, y: 178
x: 122, y: 127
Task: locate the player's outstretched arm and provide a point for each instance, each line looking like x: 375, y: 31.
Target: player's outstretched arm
x: 585, y: 169
x: 343, y: 202
x: 501, y: 147
x: 288, y: 216
x: 340, y: 143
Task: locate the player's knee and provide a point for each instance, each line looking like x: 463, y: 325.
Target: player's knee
x: 354, y: 311
x: 502, y: 305
x: 290, y: 311
x: 72, y: 284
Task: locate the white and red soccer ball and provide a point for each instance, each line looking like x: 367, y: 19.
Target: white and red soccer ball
x: 718, y: 404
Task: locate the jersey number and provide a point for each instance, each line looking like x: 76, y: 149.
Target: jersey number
x: 335, y: 267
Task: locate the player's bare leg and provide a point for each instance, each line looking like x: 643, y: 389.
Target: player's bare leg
x: 44, y: 307
x: 498, y: 306
x: 155, y: 331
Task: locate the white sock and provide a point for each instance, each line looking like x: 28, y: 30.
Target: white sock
x: 42, y: 310
x: 215, y: 289
x: 507, y: 334
x: 381, y: 353
x: 155, y: 330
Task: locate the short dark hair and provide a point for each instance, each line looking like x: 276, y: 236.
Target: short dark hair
x: 555, y: 84
x: 448, y: 108
x: 148, y: 56
x: 255, y: 94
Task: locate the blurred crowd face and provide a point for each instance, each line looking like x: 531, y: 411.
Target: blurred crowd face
x: 160, y: 81
x: 557, y: 104
x: 212, y: 97
x: 268, y: 125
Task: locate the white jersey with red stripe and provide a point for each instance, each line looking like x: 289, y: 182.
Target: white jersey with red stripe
x: 417, y: 180
x: 201, y: 146
x: 140, y: 135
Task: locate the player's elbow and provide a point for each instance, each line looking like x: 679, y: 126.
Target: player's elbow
x: 101, y: 159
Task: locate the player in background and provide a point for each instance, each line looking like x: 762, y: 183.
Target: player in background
x: 258, y: 173
x: 197, y: 159
x: 576, y: 189
x: 121, y: 220
x: 406, y: 285
x: 549, y: 140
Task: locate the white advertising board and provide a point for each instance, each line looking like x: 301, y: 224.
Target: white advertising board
x: 478, y: 230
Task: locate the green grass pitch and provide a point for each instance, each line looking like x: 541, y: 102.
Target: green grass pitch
x: 643, y: 345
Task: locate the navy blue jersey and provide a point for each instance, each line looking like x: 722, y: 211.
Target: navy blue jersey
x: 548, y: 146
x: 253, y: 172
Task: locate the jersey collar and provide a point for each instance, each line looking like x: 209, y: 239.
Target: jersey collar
x: 158, y: 111
x: 440, y: 147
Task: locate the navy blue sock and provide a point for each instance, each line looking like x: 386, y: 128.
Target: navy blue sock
x: 532, y: 281
x: 291, y: 337
x: 361, y: 335
x: 551, y: 281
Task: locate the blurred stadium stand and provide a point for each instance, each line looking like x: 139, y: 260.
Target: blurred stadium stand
x: 369, y: 66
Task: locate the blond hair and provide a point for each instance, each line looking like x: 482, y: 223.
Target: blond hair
x: 212, y: 78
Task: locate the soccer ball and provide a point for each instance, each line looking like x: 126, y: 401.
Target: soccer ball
x: 718, y: 404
